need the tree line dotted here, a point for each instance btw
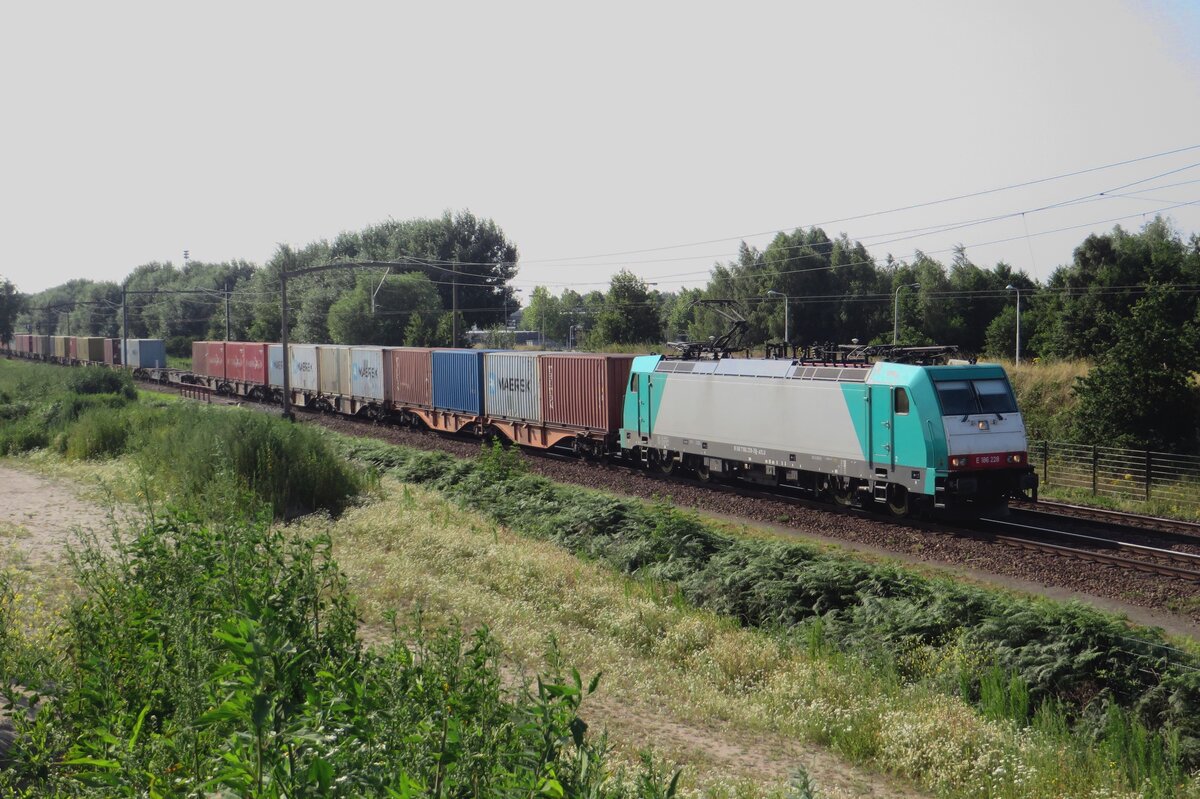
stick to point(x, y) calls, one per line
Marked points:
point(1128, 300)
point(407, 304)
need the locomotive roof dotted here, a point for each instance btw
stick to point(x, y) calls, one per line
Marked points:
point(879, 372)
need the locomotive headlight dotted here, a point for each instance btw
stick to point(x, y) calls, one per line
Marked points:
point(958, 460)
point(1017, 457)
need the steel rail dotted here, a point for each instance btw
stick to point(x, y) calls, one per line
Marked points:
point(1141, 549)
point(1101, 557)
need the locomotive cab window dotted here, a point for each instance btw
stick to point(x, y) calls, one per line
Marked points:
point(956, 397)
point(995, 396)
point(965, 397)
point(633, 383)
point(900, 401)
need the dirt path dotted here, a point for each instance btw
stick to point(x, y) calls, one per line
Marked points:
point(38, 519)
point(759, 758)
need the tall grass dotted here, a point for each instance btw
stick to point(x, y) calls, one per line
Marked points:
point(222, 658)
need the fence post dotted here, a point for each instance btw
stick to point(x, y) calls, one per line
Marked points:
point(1046, 462)
point(1095, 467)
point(1149, 472)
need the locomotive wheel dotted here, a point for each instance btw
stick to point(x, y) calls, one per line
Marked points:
point(703, 473)
point(898, 500)
point(841, 492)
point(661, 461)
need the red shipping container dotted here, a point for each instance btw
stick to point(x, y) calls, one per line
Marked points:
point(73, 348)
point(214, 359)
point(246, 361)
point(410, 382)
point(584, 391)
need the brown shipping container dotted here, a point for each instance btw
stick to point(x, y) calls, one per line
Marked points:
point(73, 348)
point(112, 351)
point(412, 370)
point(585, 392)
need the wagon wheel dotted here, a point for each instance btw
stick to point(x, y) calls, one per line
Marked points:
point(703, 473)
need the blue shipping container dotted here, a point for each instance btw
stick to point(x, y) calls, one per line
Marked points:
point(145, 353)
point(458, 380)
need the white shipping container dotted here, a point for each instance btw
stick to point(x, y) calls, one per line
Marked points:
point(302, 365)
point(275, 365)
point(369, 372)
point(512, 386)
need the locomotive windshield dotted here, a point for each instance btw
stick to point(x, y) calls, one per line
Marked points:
point(964, 397)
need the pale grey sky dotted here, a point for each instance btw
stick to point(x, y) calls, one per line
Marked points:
point(132, 131)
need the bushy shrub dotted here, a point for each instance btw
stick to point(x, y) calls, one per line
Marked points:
point(99, 433)
point(201, 451)
point(22, 436)
point(101, 380)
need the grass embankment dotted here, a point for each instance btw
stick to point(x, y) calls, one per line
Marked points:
point(210, 652)
point(1067, 700)
point(1046, 398)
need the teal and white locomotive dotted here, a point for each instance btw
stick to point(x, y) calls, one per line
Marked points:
point(912, 437)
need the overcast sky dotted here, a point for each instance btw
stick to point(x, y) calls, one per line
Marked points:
point(133, 131)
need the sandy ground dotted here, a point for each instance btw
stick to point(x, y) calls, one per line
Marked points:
point(38, 518)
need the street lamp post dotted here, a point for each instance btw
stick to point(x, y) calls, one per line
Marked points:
point(896, 310)
point(1011, 287)
point(787, 328)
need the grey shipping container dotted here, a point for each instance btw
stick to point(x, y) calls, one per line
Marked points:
point(145, 353)
point(370, 372)
point(512, 386)
point(458, 380)
point(275, 365)
point(302, 366)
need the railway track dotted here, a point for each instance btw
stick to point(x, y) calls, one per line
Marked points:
point(1123, 519)
point(1095, 548)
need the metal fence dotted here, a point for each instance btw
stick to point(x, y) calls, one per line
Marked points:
point(1120, 473)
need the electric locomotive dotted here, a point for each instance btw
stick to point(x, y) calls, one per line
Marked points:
point(906, 436)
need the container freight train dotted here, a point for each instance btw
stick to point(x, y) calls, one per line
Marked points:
point(144, 355)
point(947, 437)
point(907, 438)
